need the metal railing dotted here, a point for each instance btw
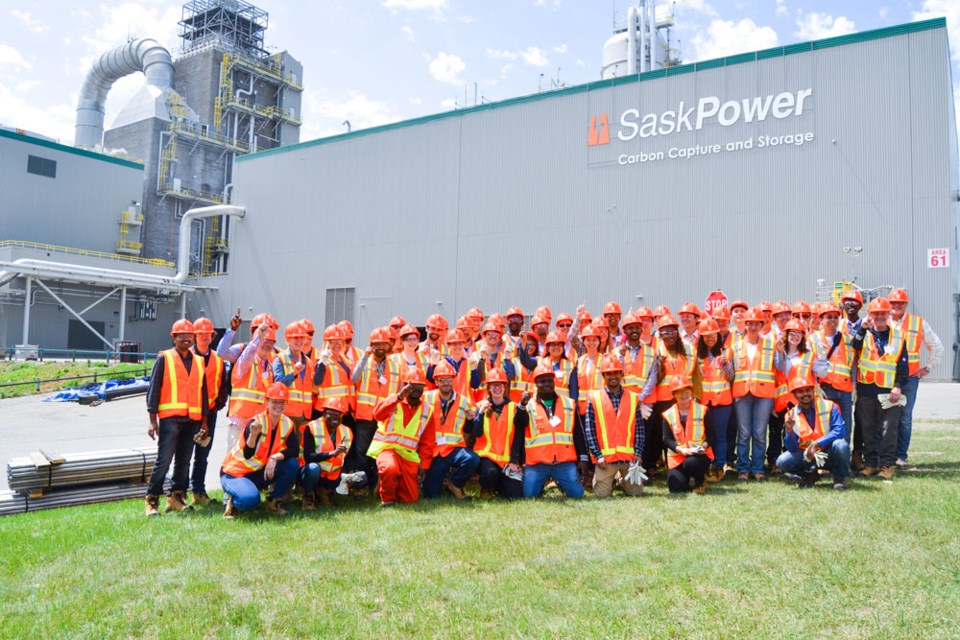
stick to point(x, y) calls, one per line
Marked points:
point(156, 262)
point(96, 376)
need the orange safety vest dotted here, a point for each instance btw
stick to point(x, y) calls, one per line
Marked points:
point(690, 433)
point(317, 429)
point(782, 398)
point(268, 443)
point(214, 373)
point(880, 368)
point(716, 387)
point(550, 440)
point(588, 379)
point(521, 382)
point(461, 382)
point(248, 394)
point(373, 387)
point(756, 376)
point(181, 393)
point(636, 371)
point(839, 376)
point(300, 404)
point(497, 438)
point(336, 383)
point(615, 429)
point(911, 327)
point(393, 434)
point(673, 365)
point(562, 370)
point(808, 433)
point(420, 362)
point(449, 432)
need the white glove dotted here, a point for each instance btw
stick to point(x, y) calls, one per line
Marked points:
point(636, 474)
point(347, 479)
point(646, 410)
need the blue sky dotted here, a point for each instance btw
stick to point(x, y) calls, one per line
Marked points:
point(378, 61)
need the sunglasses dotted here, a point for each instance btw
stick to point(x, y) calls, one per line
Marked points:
point(565, 325)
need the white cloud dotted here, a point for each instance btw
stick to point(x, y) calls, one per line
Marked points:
point(581, 63)
point(329, 113)
point(416, 5)
point(448, 103)
point(408, 32)
point(502, 54)
point(18, 110)
point(882, 12)
point(447, 67)
point(782, 8)
point(415, 100)
point(534, 57)
point(560, 48)
point(33, 24)
point(726, 37)
point(10, 58)
point(814, 26)
point(505, 70)
point(949, 9)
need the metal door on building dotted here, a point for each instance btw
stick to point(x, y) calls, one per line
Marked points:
point(79, 337)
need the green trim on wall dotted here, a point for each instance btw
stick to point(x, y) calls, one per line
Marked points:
point(40, 142)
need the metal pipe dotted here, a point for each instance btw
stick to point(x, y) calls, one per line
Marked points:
point(642, 37)
point(144, 54)
point(183, 255)
point(75, 314)
point(652, 27)
point(631, 40)
point(183, 304)
point(123, 312)
point(26, 312)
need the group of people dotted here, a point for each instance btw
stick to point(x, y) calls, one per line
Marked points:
point(805, 391)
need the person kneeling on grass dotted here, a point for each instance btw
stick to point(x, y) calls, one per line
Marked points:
point(814, 427)
point(494, 425)
point(687, 435)
point(325, 441)
point(266, 454)
point(554, 439)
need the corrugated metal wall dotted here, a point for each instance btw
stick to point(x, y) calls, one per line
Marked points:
point(508, 205)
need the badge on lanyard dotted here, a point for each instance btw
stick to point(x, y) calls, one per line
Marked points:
point(382, 380)
point(554, 422)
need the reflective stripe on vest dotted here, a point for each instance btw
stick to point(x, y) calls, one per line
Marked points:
point(615, 429)
point(561, 371)
point(755, 376)
point(716, 387)
point(447, 432)
point(839, 375)
point(880, 368)
point(300, 404)
point(213, 371)
point(235, 465)
point(248, 395)
point(783, 397)
point(546, 444)
point(335, 384)
point(821, 425)
point(690, 433)
point(636, 371)
point(672, 366)
point(589, 379)
point(369, 391)
point(911, 327)
point(181, 393)
point(317, 429)
point(404, 438)
point(497, 438)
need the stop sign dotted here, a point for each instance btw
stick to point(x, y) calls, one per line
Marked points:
point(716, 300)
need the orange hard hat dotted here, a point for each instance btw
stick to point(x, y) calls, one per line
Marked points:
point(879, 305)
point(182, 326)
point(475, 314)
point(720, 313)
point(397, 321)
point(612, 308)
point(490, 326)
point(554, 338)
point(308, 326)
point(680, 382)
point(589, 331)
point(203, 325)
point(270, 334)
point(530, 335)
point(689, 307)
point(800, 307)
point(495, 375)
point(392, 333)
point(586, 318)
point(564, 317)
point(336, 403)
point(414, 376)
point(379, 335)
point(754, 315)
point(454, 337)
point(543, 369)
point(898, 295)
point(643, 312)
point(408, 330)
point(514, 311)
point(463, 323)
point(263, 318)
point(708, 327)
point(294, 330)
point(667, 321)
point(333, 332)
point(795, 325)
point(662, 310)
point(535, 320)
point(629, 319)
point(740, 303)
point(544, 312)
point(826, 308)
point(347, 328)
point(437, 321)
point(278, 391)
point(444, 370)
point(799, 382)
point(600, 325)
point(853, 295)
point(610, 363)
point(780, 306)
point(497, 319)
point(764, 307)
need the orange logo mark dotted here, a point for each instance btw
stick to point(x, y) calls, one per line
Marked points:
point(599, 135)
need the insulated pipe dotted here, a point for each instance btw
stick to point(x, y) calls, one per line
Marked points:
point(144, 54)
point(652, 27)
point(631, 40)
point(642, 38)
point(183, 255)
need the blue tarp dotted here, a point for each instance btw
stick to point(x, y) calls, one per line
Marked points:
point(99, 390)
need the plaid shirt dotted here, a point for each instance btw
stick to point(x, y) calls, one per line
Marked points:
point(590, 425)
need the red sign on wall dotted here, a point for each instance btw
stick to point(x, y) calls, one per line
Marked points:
point(716, 300)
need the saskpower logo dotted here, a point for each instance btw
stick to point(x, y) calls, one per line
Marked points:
point(599, 131)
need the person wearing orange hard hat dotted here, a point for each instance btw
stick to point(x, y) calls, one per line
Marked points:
point(721, 315)
point(688, 435)
point(453, 415)
point(294, 368)
point(638, 357)
point(781, 316)
point(405, 441)
point(231, 352)
point(265, 456)
point(218, 392)
point(754, 387)
point(326, 441)
point(814, 425)
point(333, 373)
point(177, 405)
point(611, 316)
point(836, 378)
point(738, 309)
point(436, 326)
point(408, 357)
point(491, 353)
point(588, 366)
point(882, 373)
point(396, 323)
point(816, 311)
point(802, 312)
point(351, 353)
point(540, 327)
point(689, 316)
point(555, 356)
point(475, 317)
point(250, 376)
point(917, 333)
point(455, 347)
point(851, 302)
point(514, 329)
point(793, 358)
point(613, 430)
point(766, 310)
point(715, 362)
point(497, 421)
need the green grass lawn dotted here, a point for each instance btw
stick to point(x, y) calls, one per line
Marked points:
point(881, 560)
point(29, 372)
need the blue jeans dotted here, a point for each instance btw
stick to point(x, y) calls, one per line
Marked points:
point(311, 478)
point(565, 473)
point(844, 400)
point(463, 461)
point(245, 490)
point(198, 476)
point(753, 413)
point(174, 444)
point(721, 417)
point(905, 429)
point(838, 460)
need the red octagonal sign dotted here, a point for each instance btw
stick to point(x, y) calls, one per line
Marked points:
point(716, 300)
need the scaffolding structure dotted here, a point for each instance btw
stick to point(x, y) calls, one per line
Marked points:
point(232, 24)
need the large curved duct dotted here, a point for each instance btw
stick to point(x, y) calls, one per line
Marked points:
point(144, 54)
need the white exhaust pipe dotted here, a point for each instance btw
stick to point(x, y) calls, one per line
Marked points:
point(631, 40)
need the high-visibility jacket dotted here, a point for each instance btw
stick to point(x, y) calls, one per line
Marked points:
point(588, 379)
point(636, 371)
point(782, 397)
point(716, 388)
point(839, 376)
point(673, 365)
point(373, 387)
point(352, 355)
point(336, 383)
point(214, 375)
point(420, 362)
point(393, 434)
point(615, 429)
point(521, 382)
point(550, 440)
point(755, 376)
point(300, 404)
point(248, 393)
point(497, 438)
point(563, 371)
point(880, 368)
point(317, 429)
point(181, 393)
point(449, 431)
point(691, 432)
point(911, 327)
point(811, 433)
point(270, 441)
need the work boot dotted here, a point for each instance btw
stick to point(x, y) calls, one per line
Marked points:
point(902, 464)
point(759, 477)
point(792, 478)
point(809, 479)
point(230, 512)
point(775, 470)
point(485, 495)
point(728, 468)
point(151, 502)
point(887, 473)
point(201, 498)
point(714, 474)
point(700, 489)
point(275, 506)
point(324, 496)
point(457, 492)
point(840, 484)
point(309, 501)
point(856, 461)
point(177, 501)
point(866, 472)
point(743, 477)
